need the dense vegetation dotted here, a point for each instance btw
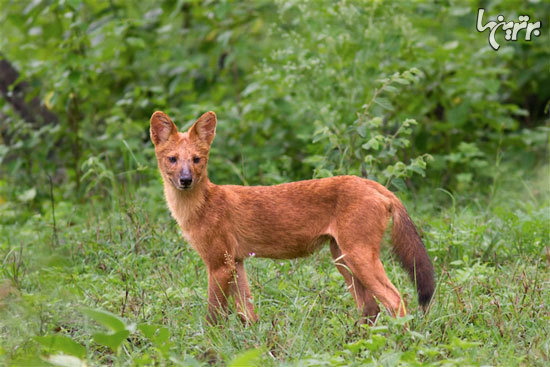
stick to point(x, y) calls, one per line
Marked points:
point(93, 269)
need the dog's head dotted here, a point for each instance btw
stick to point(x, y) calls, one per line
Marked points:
point(182, 157)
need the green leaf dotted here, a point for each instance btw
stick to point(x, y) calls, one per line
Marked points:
point(464, 177)
point(409, 122)
point(451, 45)
point(158, 334)
point(391, 89)
point(375, 122)
point(321, 134)
point(74, 3)
point(75, 77)
point(375, 342)
point(384, 103)
point(399, 184)
point(470, 149)
point(369, 159)
point(62, 360)
point(314, 159)
point(379, 329)
point(462, 344)
point(356, 346)
point(320, 173)
point(409, 76)
point(148, 330)
point(402, 81)
point(112, 341)
point(416, 71)
point(371, 144)
point(409, 357)
point(414, 167)
point(361, 130)
point(136, 42)
point(163, 335)
point(106, 318)
point(27, 195)
point(251, 88)
point(61, 343)
point(248, 358)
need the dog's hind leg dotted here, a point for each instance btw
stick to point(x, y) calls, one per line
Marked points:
point(363, 298)
point(364, 262)
point(359, 235)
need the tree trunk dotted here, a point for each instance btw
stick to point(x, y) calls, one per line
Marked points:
point(15, 92)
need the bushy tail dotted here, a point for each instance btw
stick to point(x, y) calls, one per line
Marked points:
point(411, 252)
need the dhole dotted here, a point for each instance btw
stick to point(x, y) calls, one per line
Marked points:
point(225, 224)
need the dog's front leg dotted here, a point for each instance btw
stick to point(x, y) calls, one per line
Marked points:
point(219, 288)
point(243, 296)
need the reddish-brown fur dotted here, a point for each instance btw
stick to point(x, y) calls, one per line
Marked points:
point(225, 224)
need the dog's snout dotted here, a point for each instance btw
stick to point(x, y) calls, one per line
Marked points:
point(186, 181)
point(186, 178)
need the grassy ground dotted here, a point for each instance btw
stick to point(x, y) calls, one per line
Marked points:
point(492, 304)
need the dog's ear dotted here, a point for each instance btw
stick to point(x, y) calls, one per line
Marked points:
point(204, 128)
point(161, 127)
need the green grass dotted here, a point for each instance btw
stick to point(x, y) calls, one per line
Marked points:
point(491, 305)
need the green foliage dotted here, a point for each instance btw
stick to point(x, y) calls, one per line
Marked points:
point(107, 319)
point(247, 358)
point(158, 335)
point(61, 343)
point(100, 83)
point(325, 67)
point(108, 263)
point(119, 330)
point(60, 349)
point(345, 150)
point(276, 73)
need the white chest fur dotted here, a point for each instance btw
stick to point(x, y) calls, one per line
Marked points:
point(183, 207)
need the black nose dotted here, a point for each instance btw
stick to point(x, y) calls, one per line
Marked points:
point(185, 181)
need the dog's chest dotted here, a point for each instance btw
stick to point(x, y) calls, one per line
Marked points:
point(186, 236)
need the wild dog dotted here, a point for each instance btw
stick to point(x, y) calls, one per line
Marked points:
point(225, 224)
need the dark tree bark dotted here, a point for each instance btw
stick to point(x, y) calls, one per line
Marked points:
point(3, 135)
point(186, 10)
point(15, 93)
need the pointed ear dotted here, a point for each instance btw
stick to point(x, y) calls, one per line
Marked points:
point(204, 128)
point(161, 127)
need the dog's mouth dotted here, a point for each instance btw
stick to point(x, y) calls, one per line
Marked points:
point(181, 187)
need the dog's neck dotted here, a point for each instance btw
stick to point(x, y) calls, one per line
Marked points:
point(186, 204)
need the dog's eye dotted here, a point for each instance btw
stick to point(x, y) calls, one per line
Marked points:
point(172, 159)
point(196, 159)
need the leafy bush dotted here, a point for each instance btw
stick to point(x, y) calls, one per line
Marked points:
point(364, 148)
point(327, 61)
point(276, 73)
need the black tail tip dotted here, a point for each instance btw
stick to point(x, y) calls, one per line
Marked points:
point(425, 297)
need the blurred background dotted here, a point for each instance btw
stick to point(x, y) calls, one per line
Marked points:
point(406, 93)
point(292, 83)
